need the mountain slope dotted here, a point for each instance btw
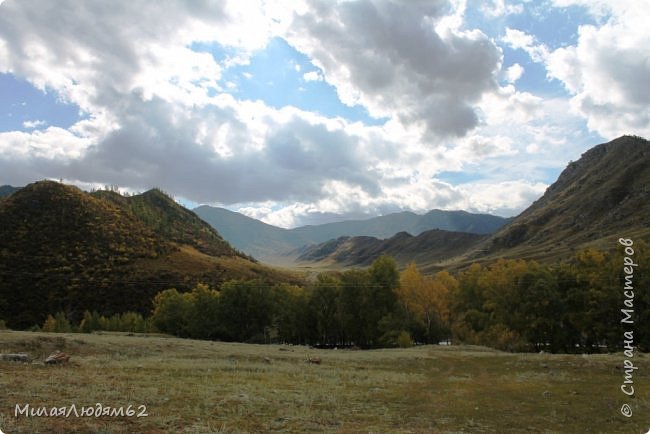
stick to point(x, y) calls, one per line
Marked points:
point(597, 199)
point(252, 236)
point(66, 250)
point(7, 190)
point(266, 242)
point(175, 223)
point(430, 246)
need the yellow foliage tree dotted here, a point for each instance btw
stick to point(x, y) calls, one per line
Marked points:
point(446, 286)
point(426, 298)
point(49, 325)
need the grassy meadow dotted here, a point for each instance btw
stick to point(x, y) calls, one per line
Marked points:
point(203, 387)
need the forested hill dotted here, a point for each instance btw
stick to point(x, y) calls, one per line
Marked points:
point(67, 250)
point(172, 222)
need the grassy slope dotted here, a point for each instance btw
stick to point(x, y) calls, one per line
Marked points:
point(199, 386)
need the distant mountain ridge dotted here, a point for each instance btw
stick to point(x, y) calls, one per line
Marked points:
point(427, 247)
point(8, 190)
point(265, 241)
point(601, 197)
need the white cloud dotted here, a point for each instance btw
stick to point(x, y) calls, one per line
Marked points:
point(504, 198)
point(522, 40)
point(156, 115)
point(312, 76)
point(51, 143)
point(388, 57)
point(498, 8)
point(607, 70)
point(34, 124)
point(517, 39)
point(514, 72)
point(508, 106)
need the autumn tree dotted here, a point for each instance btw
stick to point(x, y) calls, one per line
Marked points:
point(427, 300)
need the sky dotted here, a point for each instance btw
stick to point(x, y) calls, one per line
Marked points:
point(301, 112)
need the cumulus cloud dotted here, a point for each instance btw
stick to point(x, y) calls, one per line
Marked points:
point(312, 76)
point(607, 70)
point(506, 198)
point(514, 72)
point(34, 124)
point(133, 70)
point(521, 40)
point(388, 57)
point(158, 113)
point(498, 8)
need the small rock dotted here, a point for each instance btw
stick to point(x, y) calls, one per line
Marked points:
point(56, 358)
point(16, 357)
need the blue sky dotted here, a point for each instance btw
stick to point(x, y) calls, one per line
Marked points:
point(22, 103)
point(275, 75)
point(294, 111)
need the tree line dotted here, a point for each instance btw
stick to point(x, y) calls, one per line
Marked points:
point(513, 305)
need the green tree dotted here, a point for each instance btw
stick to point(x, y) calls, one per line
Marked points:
point(58, 323)
point(131, 322)
point(350, 304)
point(378, 299)
point(171, 312)
point(203, 312)
point(293, 320)
point(62, 324)
point(246, 311)
point(323, 302)
point(90, 322)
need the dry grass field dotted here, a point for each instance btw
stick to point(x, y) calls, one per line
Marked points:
point(211, 387)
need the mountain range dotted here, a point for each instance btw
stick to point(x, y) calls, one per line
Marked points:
point(601, 197)
point(273, 244)
point(434, 246)
point(68, 250)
